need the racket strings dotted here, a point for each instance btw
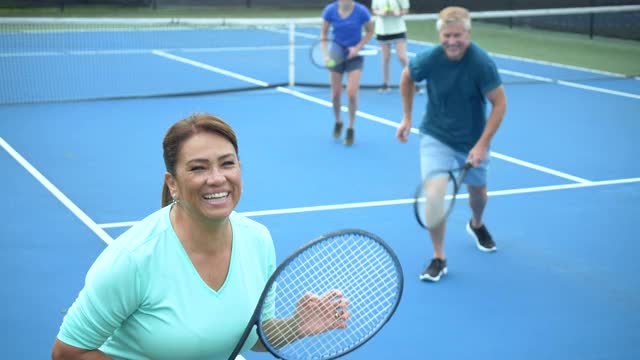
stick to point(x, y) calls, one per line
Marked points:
point(360, 268)
point(327, 54)
point(364, 278)
point(330, 259)
point(358, 333)
point(436, 191)
point(435, 198)
point(296, 278)
point(336, 266)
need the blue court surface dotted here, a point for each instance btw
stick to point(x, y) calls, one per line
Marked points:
point(564, 181)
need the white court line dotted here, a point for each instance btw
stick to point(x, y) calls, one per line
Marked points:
point(210, 68)
point(57, 193)
point(539, 168)
point(149, 51)
point(368, 204)
point(598, 89)
point(569, 83)
point(358, 113)
point(296, 33)
point(241, 48)
point(539, 62)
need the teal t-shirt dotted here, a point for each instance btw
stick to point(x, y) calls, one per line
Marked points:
point(456, 109)
point(143, 298)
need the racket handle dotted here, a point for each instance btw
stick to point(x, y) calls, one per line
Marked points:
point(243, 338)
point(463, 173)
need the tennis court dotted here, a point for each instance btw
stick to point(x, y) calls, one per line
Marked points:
point(80, 166)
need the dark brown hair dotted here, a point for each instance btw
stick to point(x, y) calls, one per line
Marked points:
point(182, 131)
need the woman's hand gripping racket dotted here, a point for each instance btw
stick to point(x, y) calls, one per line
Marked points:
point(328, 54)
point(436, 195)
point(328, 298)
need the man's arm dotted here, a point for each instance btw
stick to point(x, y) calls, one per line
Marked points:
point(407, 90)
point(498, 101)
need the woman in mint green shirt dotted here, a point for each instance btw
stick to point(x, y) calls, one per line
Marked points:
point(183, 282)
point(390, 28)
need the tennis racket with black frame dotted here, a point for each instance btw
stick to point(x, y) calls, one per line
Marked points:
point(436, 195)
point(327, 54)
point(328, 298)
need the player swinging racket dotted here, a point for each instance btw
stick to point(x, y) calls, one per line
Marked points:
point(347, 19)
point(461, 77)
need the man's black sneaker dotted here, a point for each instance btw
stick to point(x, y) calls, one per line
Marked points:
point(483, 239)
point(435, 270)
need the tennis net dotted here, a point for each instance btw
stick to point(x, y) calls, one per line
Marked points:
point(78, 59)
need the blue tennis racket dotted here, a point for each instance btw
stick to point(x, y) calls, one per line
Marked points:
point(328, 298)
point(328, 54)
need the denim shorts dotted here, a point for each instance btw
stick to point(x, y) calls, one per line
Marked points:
point(437, 156)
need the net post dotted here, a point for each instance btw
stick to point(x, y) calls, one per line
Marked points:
point(292, 53)
point(591, 18)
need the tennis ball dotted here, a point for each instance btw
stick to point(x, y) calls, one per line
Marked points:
point(331, 63)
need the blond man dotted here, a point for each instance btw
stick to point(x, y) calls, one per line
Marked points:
point(461, 79)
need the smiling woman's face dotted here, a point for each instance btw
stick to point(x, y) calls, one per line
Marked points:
point(207, 181)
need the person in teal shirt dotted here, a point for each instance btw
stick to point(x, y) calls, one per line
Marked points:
point(184, 282)
point(460, 77)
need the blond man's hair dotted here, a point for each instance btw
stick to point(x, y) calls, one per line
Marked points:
point(452, 15)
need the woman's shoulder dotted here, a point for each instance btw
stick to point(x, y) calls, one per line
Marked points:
point(246, 225)
point(146, 231)
point(362, 8)
point(252, 233)
point(330, 10)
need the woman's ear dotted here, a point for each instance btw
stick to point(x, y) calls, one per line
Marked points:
point(170, 180)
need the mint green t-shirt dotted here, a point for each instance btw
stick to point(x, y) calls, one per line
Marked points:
point(390, 25)
point(143, 298)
